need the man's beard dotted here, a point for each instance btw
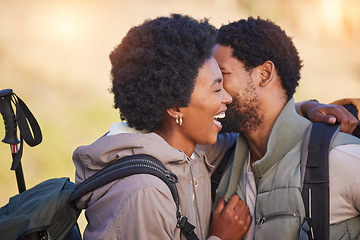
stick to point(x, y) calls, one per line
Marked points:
point(242, 117)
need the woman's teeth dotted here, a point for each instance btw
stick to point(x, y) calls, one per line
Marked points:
point(220, 115)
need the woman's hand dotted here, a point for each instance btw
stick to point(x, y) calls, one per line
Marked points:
point(230, 221)
point(327, 113)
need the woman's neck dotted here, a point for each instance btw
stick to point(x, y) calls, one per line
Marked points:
point(176, 140)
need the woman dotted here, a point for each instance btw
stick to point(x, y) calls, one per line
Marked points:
point(166, 84)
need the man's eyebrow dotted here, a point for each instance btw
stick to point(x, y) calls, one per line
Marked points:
point(224, 69)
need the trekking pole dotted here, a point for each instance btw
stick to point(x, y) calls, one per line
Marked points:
point(10, 133)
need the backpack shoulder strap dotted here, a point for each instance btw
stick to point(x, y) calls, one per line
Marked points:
point(129, 165)
point(136, 164)
point(354, 111)
point(315, 190)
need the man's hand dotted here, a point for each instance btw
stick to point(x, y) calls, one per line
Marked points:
point(230, 221)
point(327, 113)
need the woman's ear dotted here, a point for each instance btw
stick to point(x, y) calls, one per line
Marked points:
point(267, 73)
point(173, 112)
point(176, 114)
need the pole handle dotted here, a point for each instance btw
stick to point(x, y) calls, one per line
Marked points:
point(9, 117)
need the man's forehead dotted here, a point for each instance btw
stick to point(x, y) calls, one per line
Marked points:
point(224, 57)
point(223, 49)
point(222, 54)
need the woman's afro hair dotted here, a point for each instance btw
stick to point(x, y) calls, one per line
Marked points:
point(155, 66)
point(255, 41)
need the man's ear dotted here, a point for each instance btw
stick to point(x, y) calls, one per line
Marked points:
point(267, 73)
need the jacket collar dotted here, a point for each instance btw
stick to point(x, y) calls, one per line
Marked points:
point(288, 130)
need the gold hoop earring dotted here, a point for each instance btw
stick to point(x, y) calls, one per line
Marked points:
point(179, 121)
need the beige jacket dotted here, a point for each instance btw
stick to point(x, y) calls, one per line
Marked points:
point(141, 206)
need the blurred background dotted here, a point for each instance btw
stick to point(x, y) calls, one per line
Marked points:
point(54, 55)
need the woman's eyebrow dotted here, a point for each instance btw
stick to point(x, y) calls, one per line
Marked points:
point(216, 81)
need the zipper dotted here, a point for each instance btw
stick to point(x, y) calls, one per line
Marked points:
point(194, 192)
point(260, 221)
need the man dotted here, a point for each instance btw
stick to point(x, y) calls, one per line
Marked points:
point(261, 69)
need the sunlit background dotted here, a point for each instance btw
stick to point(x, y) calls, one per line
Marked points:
point(54, 55)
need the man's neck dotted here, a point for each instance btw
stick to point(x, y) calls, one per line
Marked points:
point(258, 139)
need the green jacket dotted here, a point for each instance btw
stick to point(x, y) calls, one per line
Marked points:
point(279, 209)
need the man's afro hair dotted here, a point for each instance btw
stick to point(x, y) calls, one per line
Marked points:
point(255, 41)
point(155, 66)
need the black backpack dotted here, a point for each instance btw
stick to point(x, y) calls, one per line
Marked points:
point(48, 210)
point(315, 191)
point(41, 212)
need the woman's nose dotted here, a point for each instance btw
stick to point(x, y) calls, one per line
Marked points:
point(227, 98)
